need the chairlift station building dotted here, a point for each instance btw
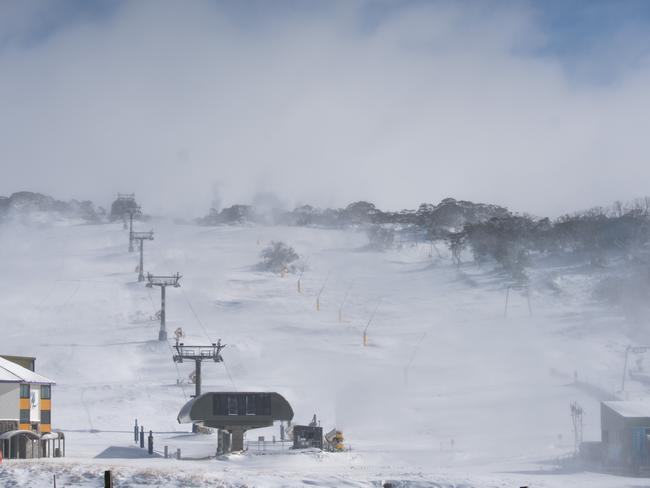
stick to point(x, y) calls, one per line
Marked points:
point(233, 413)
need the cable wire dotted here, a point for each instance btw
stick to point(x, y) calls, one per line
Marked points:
point(178, 371)
point(198, 319)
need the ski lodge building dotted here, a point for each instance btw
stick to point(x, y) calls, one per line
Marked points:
point(625, 427)
point(26, 411)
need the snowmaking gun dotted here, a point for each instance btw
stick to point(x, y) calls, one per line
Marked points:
point(334, 441)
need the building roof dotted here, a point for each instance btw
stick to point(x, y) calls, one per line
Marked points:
point(204, 409)
point(12, 433)
point(630, 409)
point(24, 361)
point(13, 373)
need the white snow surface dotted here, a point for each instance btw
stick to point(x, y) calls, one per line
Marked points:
point(448, 392)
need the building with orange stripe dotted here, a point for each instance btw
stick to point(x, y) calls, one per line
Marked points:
point(25, 408)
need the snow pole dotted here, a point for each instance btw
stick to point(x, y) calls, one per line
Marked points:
point(411, 359)
point(345, 299)
point(320, 292)
point(365, 331)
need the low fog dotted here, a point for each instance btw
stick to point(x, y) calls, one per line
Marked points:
point(321, 103)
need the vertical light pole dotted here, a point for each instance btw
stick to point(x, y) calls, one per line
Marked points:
point(141, 236)
point(163, 282)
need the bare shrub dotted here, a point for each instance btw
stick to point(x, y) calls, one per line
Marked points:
point(278, 257)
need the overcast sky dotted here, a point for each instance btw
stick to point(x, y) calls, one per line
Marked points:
point(539, 106)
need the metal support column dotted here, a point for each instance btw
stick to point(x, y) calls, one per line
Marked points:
point(131, 232)
point(198, 354)
point(162, 334)
point(163, 282)
point(141, 268)
point(197, 386)
point(141, 236)
point(237, 439)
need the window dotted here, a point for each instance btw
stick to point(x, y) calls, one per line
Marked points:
point(232, 405)
point(7, 425)
point(46, 392)
point(264, 404)
point(241, 405)
point(46, 417)
point(24, 416)
point(219, 405)
point(250, 405)
point(24, 391)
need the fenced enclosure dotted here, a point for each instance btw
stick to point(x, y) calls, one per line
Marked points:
point(262, 445)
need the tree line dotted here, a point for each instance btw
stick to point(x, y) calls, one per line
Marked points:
point(598, 234)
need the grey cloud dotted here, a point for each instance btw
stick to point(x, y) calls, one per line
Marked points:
point(169, 99)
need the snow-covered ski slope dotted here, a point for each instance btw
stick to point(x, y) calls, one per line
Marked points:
point(447, 391)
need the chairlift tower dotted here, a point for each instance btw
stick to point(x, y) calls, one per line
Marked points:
point(133, 209)
point(198, 354)
point(141, 236)
point(132, 212)
point(631, 349)
point(163, 282)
